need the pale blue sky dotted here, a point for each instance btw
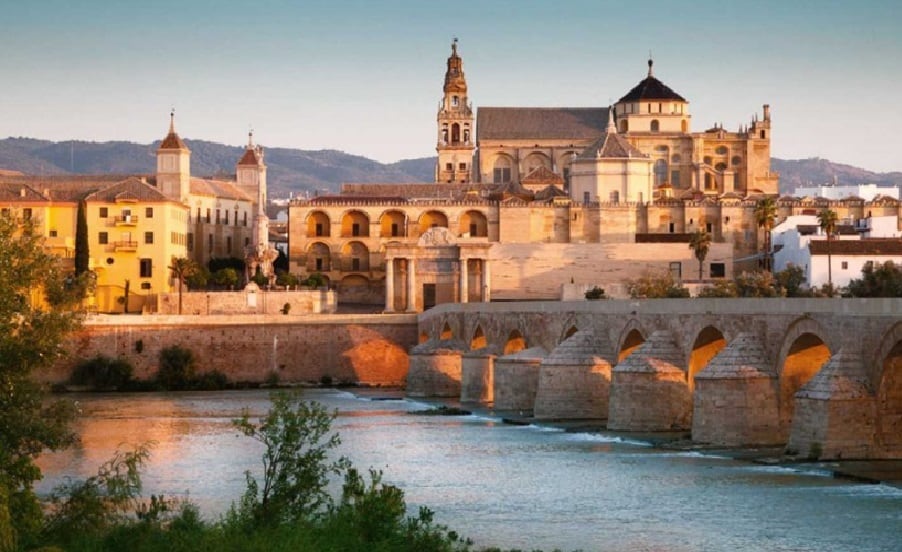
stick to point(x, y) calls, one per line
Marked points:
point(365, 76)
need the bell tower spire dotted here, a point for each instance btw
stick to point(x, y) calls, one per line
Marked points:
point(174, 164)
point(455, 126)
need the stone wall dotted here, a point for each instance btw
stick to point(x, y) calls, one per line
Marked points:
point(300, 301)
point(367, 349)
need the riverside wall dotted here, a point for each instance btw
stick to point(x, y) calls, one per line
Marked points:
point(360, 349)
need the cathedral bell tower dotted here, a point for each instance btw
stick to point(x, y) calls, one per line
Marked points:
point(455, 126)
point(174, 165)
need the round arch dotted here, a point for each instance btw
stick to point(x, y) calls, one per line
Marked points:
point(392, 224)
point(804, 352)
point(355, 257)
point(319, 257)
point(355, 223)
point(318, 224)
point(708, 342)
point(534, 161)
point(446, 332)
point(431, 219)
point(502, 167)
point(515, 342)
point(478, 340)
point(475, 224)
point(887, 380)
point(630, 339)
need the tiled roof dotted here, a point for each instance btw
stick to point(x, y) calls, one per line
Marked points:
point(841, 229)
point(217, 188)
point(540, 123)
point(651, 88)
point(172, 141)
point(611, 146)
point(10, 192)
point(62, 187)
point(868, 246)
point(132, 188)
point(542, 175)
point(251, 157)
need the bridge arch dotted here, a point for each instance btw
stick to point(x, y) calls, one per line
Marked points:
point(889, 393)
point(805, 350)
point(708, 342)
point(446, 332)
point(515, 342)
point(478, 341)
point(631, 337)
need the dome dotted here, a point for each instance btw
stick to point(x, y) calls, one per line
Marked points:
point(651, 88)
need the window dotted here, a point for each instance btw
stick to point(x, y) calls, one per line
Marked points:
point(474, 229)
point(355, 229)
point(190, 242)
point(762, 135)
point(655, 125)
point(845, 265)
point(455, 101)
point(709, 227)
point(146, 268)
point(614, 196)
point(736, 160)
point(660, 172)
point(675, 179)
point(355, 264)
point(675, 158)
point(210, 242)
point(586, 197)
point(671, 227)
point(245, 218)
point(462, 166)
point(226, 216)
point(319, 229)
point(145, 285)
point(319, 264)
point(26, 213)
point(148, 237)
point(103, 238)
point(53, 233)
point(717, 270)
point(104, 212)
point(449, 167)
point(208, 215)
point(721, 150)
point(624, 126)
point(228, 243)
point(501, 172)
point(676, 270)
point(148, 212)
point(218, 216)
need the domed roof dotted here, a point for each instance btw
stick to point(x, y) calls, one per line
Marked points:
point(651, 88)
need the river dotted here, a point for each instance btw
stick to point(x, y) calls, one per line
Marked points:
point(503, 485)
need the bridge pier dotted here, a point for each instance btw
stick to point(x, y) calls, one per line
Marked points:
point(834, 414)
point(649, 391)
point(435, 369)
point(517, 379)
point(735, 399)
point(477, 375)
point(575, 379)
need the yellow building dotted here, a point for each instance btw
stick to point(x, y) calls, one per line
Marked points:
point(138, 224)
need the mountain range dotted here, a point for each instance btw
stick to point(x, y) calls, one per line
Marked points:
point(300, 172)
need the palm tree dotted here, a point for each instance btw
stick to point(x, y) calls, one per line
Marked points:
point(765, 217)
point(181, 268)
point(828, 219)
point(700, 243)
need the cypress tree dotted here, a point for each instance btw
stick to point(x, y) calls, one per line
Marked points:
point(81, 240)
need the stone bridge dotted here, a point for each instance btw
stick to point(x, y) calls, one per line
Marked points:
point(821, 376)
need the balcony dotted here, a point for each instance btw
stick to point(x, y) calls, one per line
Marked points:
point(125, 246)
point(126, 220)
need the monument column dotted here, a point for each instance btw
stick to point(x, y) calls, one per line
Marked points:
point(464, 292)
point(411, 286)
point(389, 285)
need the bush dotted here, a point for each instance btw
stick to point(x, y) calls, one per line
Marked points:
point(721, 288)
point(656, 286)
point(287, 279)
point(316, 280)
point(595, 293)
point(177, 368)
point(102, 372)
point(225, 277)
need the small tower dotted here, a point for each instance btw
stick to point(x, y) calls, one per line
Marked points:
point(174, 165)
point(251, 179)
point(455, 126)
point(652, 107)
point(251, 170)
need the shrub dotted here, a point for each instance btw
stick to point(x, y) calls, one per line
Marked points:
point(316, 280)
point(225, 277)
point(721, 288)
point(656, 286)
point(287, 279)
point(177, 368)
point(102, 372)
point(595, 293)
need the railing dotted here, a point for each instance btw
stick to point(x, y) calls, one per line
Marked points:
point(125, 245)
point(126, 220)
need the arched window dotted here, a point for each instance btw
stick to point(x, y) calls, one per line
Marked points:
point(655, 125)
point(455, 133)
point(660, 172)
point(501, 172)
point(721, 166)
point(684, 126)
point(675, 158)
point(624, 126)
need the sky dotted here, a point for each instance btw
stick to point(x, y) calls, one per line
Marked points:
point(365, 76)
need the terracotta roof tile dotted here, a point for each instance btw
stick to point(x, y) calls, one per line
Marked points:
point(612, 146)
point(867, 246)
point(540, 123)
point(129, 189)
point(172, 141)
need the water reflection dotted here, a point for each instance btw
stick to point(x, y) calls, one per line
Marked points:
point(511, 486)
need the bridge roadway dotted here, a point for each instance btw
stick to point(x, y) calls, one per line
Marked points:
point(822, 376)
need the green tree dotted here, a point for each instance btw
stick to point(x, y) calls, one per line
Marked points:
point(700, 244)
point(790, 280)
point(765, 217)
point(756, 284)
point(182, 268)
point(226, 277)
point(31, 337)
point(827, 219)
point(881, 280)
point(82, 253)
point(656, 286)
point(296, 461)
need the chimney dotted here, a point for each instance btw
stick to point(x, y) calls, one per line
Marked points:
point(767, 112)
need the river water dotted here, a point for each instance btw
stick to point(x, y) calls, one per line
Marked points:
point(503, 485)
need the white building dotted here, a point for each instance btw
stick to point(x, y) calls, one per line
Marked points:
point(866, 192)
point(799, 241)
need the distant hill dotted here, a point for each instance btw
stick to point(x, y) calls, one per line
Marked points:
point(322, 171)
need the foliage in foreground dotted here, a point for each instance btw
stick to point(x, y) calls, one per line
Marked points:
point(288, 509)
